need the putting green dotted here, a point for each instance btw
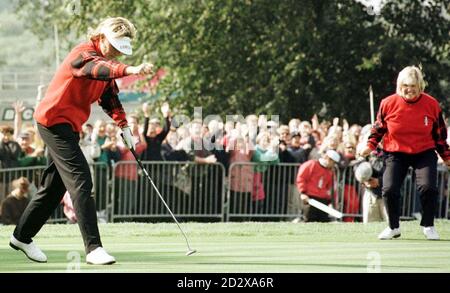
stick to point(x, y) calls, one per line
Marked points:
point(238, 247)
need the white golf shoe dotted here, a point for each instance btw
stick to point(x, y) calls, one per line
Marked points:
point(99, 256)
point(389, 233)
point(30, 250)
point(431, 233)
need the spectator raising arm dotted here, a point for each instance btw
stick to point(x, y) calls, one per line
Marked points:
point(18, 110)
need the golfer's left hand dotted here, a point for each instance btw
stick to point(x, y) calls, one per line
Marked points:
point(128, 138)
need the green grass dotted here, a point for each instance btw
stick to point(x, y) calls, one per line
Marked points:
point(239, 247)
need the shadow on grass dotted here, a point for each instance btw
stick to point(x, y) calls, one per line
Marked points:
point(59, 260)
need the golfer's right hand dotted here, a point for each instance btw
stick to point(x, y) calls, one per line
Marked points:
point(128, 138)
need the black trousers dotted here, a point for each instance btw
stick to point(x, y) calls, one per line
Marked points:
point(425, 167)
point(313, 214)
point(67, 170)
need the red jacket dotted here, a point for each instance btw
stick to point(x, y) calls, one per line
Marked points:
point(83, 78)
point(410, 126)
point(315, 180)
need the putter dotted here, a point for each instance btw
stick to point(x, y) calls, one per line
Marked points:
point(325, 208)
point(190, 250)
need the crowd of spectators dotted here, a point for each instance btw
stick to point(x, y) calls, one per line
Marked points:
point(162, 137)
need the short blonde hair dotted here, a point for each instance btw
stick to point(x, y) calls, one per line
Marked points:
point(408, 75)
point(119, 26)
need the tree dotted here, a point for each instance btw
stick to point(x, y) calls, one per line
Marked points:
point(286, 57)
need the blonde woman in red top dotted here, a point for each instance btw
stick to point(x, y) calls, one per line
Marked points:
point(411, 125)
point(87, 75)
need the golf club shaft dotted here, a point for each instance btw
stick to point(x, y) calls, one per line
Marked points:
point(159, 194)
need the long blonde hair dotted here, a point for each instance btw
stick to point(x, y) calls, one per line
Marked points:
point(119, 26)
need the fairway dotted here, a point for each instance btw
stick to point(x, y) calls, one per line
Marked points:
point(239, 247)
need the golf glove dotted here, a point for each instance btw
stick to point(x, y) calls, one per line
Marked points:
point(128, 138)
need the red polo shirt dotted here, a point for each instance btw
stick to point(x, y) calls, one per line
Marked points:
point(83, 78)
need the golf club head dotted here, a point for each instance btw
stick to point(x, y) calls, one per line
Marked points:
point(192, 251)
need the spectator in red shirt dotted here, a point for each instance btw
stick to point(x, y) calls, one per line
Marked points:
point(411, 125)
point(315, 180)
point(87, 75)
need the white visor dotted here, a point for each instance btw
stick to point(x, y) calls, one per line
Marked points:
point(123, 44)
point(332, 154)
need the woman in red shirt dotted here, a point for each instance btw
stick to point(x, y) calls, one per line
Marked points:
point(411, 125)
point(87, 75)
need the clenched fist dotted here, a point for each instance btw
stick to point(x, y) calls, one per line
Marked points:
point(143, 69)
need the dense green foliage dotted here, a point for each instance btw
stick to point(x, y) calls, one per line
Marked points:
point(290, 57)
